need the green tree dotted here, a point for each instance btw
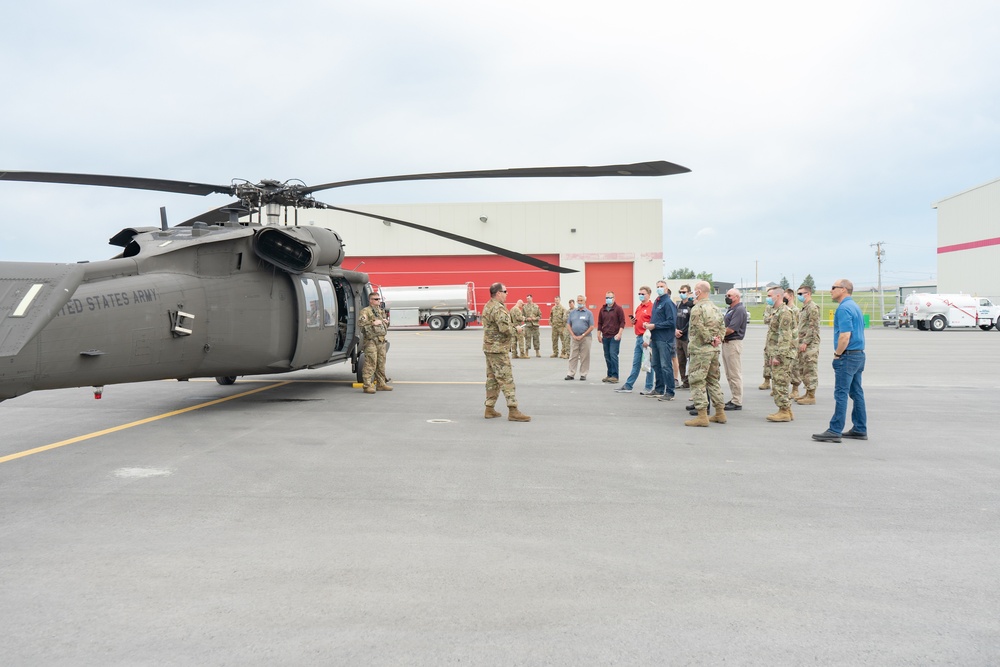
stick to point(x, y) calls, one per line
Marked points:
point(809, 282)
point(706, 276)
point(784, 283)
point(681, 274)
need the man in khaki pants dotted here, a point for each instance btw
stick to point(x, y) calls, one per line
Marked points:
point(732, 347)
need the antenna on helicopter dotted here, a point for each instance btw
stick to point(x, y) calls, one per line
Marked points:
point(163, 218)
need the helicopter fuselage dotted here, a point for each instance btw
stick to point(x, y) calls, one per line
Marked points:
point(184, 303)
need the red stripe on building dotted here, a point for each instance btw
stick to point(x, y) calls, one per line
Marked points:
point(969, 246)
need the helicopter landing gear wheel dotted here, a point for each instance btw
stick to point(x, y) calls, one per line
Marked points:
point(359, 365)
point(226, 380)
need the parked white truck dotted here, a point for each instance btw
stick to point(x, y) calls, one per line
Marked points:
point(438, 306)
point(939, 311)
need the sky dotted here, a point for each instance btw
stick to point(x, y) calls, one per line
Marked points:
point(813, 130)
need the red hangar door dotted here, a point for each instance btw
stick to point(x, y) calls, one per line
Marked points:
point(603, 277)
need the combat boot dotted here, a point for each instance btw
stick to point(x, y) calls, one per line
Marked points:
point(782, 415)
point(700, 420)
point(553, 356)
point(766, 384)
point(720, 414)
point(537, 353)
point(383, 387)
point(369, 389)
point(808, 399)
point(490, 412)
point(515, 415)
point(793, 393)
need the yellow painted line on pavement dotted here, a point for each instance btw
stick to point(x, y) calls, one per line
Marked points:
point(147, 420)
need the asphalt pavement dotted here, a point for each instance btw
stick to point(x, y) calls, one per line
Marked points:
point(292, 519)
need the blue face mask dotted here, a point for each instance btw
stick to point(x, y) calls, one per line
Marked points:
point(660, 291)
point(642, 297)
point(801, 298)
point(770, 301)
point(609, 300)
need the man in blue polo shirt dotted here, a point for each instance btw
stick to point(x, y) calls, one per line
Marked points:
point(848, 364)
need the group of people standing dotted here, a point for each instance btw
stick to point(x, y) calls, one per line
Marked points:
point(686, 345)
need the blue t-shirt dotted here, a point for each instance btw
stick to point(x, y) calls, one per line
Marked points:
point(848, 317)
point(580, 320)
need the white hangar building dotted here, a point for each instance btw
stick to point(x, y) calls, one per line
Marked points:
point(614, 245)
point(968, 252)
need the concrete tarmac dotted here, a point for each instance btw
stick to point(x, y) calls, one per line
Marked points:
point(293, 519)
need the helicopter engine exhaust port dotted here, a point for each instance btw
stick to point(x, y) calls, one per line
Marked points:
point(299, 249)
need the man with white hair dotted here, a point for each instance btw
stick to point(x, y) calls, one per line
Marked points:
point(732, 347)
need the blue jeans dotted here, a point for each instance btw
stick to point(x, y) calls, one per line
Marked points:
point(611, 347)
point(637, 366)
point(663, 365)
point(847, 384)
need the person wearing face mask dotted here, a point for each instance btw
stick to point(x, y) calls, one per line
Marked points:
point(639, 319)
point(807, 364)
point(610, 325)
point(684, 306)
point(732, 347)
point(707, 330)
point(580, 325)
point(782, 350)
point(662, 328)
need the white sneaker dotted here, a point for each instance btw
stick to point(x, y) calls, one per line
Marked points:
point(623, 390)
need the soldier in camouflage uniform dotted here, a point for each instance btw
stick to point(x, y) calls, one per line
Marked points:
point(498, 332)
point(706, 328)
point(766, 384)
point(517, 344)
point(374, 325)
point(807, 365)
point(532, 318)
point(566, 337)
point(557, 319)
point(782, 339)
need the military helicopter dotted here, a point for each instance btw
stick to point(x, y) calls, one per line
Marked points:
point(234, 291)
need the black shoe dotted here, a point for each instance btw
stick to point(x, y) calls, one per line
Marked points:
point(568, 377)
point(693, 412)
point(827, 436)
point(854, 435)
point(582, 378)
point(690, 407)
point(732, 406)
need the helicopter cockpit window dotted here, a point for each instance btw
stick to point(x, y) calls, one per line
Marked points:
point(314, 306)
point(326, 289)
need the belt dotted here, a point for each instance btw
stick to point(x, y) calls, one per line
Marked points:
point(852, 352)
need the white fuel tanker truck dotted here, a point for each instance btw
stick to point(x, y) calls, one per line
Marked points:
point(438, 306)
point(940, 311)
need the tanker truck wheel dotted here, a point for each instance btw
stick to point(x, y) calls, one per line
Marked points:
point(985, 327)
point(938, 323)
point(436, 323)
point(456, 322)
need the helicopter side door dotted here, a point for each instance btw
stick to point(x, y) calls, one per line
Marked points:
point(318, 318)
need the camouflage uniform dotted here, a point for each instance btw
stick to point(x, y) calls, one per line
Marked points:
point(706, 323)
point(532, 316)
point(768, 312)
point(498, 332)
point(557, 318)
point(806, 366)
point(373, 370)
point(517, 343)
point(782, 343)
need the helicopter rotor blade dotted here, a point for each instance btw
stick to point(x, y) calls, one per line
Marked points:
point(526, 259)
point(656, 168)
point(130, 182)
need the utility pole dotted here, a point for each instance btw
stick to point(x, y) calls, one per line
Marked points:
point(879, 257)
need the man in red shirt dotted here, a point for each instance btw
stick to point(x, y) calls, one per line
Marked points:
point(641, 316)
